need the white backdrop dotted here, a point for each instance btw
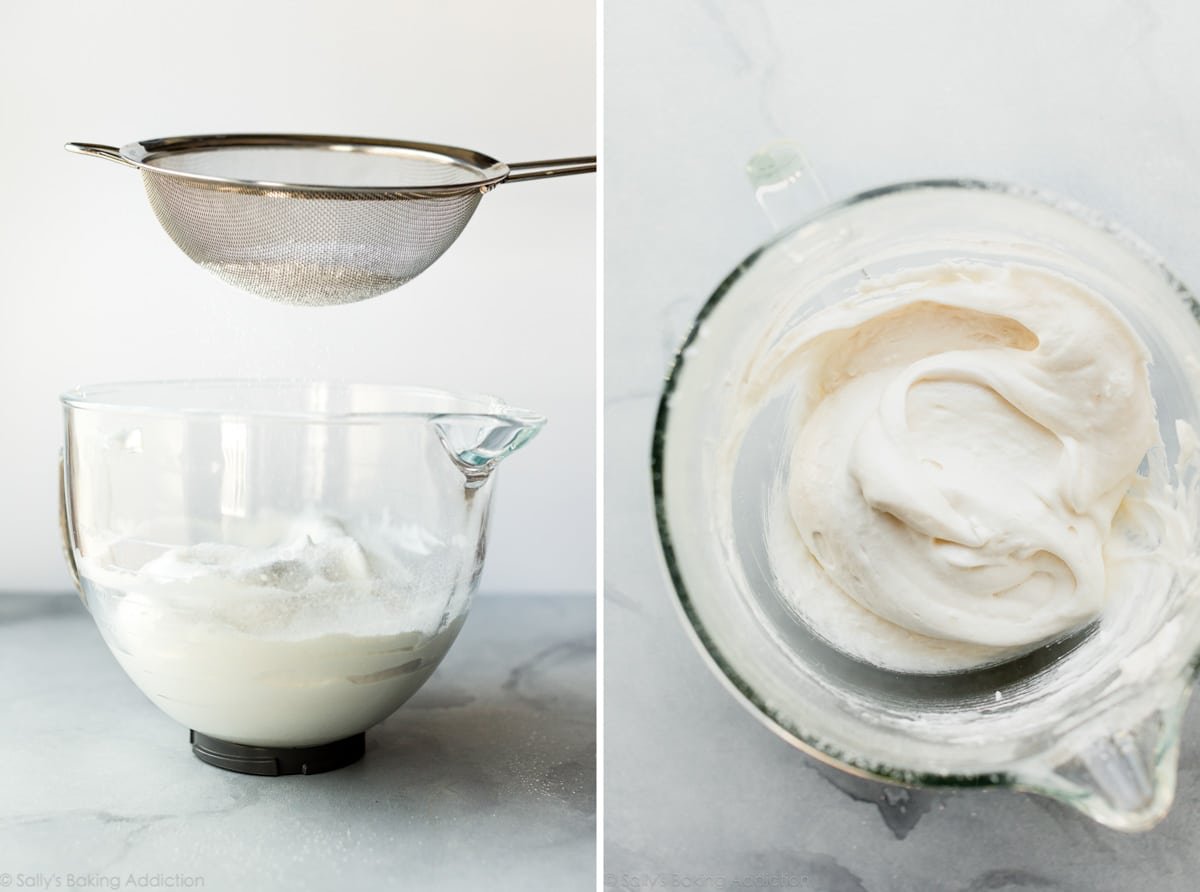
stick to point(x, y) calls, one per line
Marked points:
point(93, 290)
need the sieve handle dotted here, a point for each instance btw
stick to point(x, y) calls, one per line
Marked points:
point(558, 167)
point(96, 150)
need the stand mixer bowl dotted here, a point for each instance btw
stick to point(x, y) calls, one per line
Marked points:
point(280, 565)
point(1092, 720)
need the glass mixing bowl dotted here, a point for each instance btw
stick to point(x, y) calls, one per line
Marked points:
point(280, 565)
point(1093, 719)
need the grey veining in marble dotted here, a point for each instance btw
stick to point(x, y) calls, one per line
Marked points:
point(1094, 100)
point(485, 779)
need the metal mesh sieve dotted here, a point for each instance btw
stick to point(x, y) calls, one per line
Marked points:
point(316, 220)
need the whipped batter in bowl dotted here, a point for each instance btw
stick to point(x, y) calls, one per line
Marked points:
point(316, 631)
point(926, 489)
point(965, 436)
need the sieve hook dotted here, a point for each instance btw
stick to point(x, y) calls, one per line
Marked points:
point(96, 150)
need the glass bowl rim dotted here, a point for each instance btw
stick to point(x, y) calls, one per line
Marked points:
point(102, 398)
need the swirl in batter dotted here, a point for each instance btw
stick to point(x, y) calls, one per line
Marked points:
point(964, 438)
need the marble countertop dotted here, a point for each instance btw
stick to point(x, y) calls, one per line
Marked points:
point(1094, 100)
point(485, 779)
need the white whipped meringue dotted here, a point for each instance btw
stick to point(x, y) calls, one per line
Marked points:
point(309, 630)
point(964, 437)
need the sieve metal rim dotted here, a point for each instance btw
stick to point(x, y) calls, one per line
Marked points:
point(142, 154)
